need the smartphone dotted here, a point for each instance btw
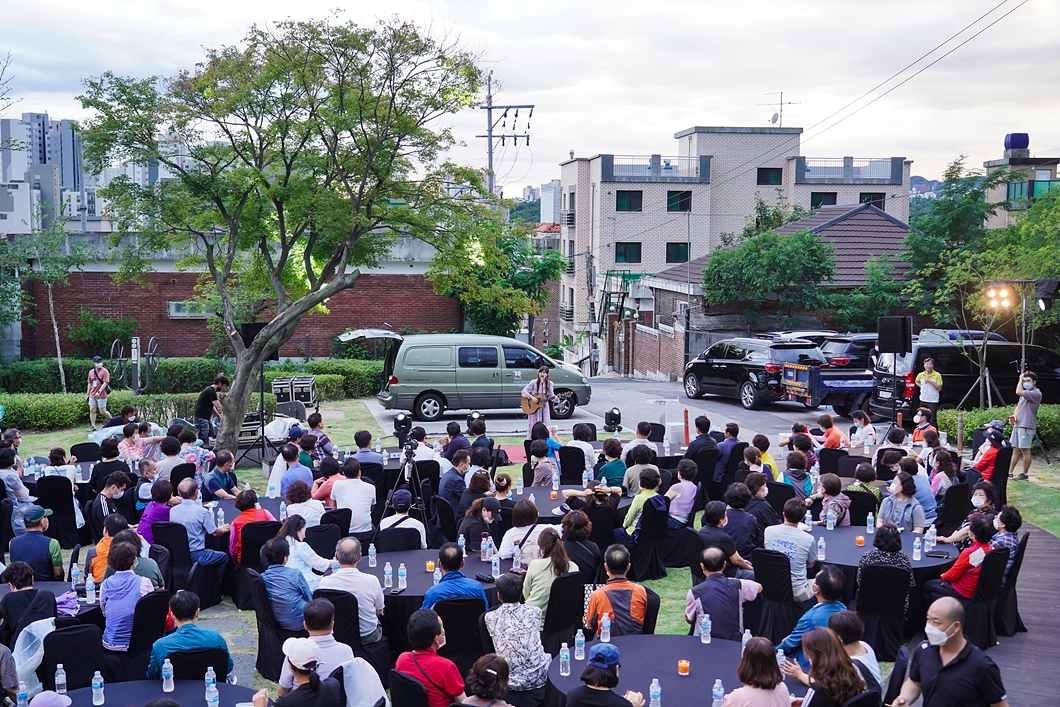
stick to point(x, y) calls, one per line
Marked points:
point(395, 590)
point(938, 553)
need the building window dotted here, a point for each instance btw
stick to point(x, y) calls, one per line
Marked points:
point(186, 310)
point(629, 200)
point(770, 175)
point(822, 198)
point(678, 201)
point(677, 252)
point(871, 197)
point(627, 252)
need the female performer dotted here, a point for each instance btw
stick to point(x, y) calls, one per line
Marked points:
point(540, 389)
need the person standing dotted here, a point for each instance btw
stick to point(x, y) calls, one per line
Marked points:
point(930, 383)
point(1025, 421)
point(207, 405)
point(541, 390)
point(97, 390)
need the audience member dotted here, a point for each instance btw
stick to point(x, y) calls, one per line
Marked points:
point(613, 470)
point(330, 472)
point(865, 434)
point(622, 600)
point(199, 521)
point(703, 441)
point(16, 491)
point(864, 475)
point(832, 499)
point(516, 632)
point(480, 463)
point(832, 678)
point(302, 557)
point(118, 595)
point(477, 429)
point(97, 564)
point(797, 544)
point(132, 443)
point(682, 495)
point(640, 439)
point(542, 572)
point(145, 566)
point(221, 482)
point(487, 682)
point(982, 502)
point(323, 449)
point(720, 597)
point(583, 552)
point(296, 471)
point(804, 443)
point(170, 448)
point(104, 504)
point(887, 552)
point(247, 505)
point(523, 533)
point(600, 676)
point(453, 582)
point(833, 436)
point(23, 603)
point(959, 581)
point(763, 683)
point(401, 502)
point(451, 486)
point(478, 486)
point(303, 660)
point(184, 606)
point(287, 588)
point(649, 483)
point(540, 431)
point(725, 447)
point(582, 435)
point(639, 458)
point(923, 493)
point(36, 549)
point(901, 507)
point(319, 621)
point(358, 495)
point(307, 443)
point(157, 511)
point(895, 439)
point(127, 415)
point(191, 452)
point(713, 535)
point(752, 461)
point(457, 442)
point(759, 507)
point(797, 475)
point(142, 490)
point(439, 676)
point(365, 587)
point(502, 490)
point(1007, 522)
point(922, 418)
point(761, 443)
point(364, 453)
point(828, 587)
point(300, 502)
point(542, 464)
point(740, 525)
point(108, 453)
point(848, 626)
point(480, 520)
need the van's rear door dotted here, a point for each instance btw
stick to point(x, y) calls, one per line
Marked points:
point(393, 338)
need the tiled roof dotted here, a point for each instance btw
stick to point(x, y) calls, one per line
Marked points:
point(547, 228)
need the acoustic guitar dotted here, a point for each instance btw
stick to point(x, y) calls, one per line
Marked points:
point(531, 406)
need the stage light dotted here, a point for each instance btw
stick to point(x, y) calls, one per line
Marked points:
point(613, 420)
point(402, 427)
point(475, 415)
point(1045, 293)
point(991, 294)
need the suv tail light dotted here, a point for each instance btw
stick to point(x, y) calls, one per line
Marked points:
point(910, 384)
point(839, 360)
point(825, 365)
point(774, 367)
point(392, 380)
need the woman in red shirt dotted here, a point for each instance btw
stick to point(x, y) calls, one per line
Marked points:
point(985, 465)
point(330, 472)
point(247, 504)
point(833, 437)
point(959, 580)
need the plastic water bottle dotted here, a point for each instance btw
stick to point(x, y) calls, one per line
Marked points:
point(519, 484)
point(866, 450)
point(564, 661)
point(437, 574)
point(780, 656)
point(373, 559)
point(616, 434)
point(666, 444)
point(246, 486)
point(97, 689)
point(870, 523)
point(579, 645)
point(916, 547)
point(388, 576)
point(555, 481)
point(745, 639)
point(820, 549)
point(656, 693)
point(461, 542)
point(517, 557)
point(931, 537)
point(23, 693)
point(403, 576)
point(220, 517)
point(347, 455)
point(532, 499)
point(586, 478)
point(719, 693)
point(211, 681)
point(335, 565)
point(75, 576)
point(90, 589)
point(605, 628)
point(830, 522)
point(167, 676)
point(438, 446)
point(484, 547)
point(213, 697)
point(704, 628)
point(283, 511)
point(60, 679)
point(495, 564)
point(378, 446)
point(809, 518)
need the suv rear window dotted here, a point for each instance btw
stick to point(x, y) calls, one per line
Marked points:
point(797, 354)
point(834, 346)
point(886, 360)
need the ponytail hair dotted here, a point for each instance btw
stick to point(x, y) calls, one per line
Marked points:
point(552, 547)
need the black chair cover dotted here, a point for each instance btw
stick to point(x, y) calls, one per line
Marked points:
point(56, 493)
point(407, 691)
point(161, 557)
point(446, 519)
point(1000, 478)
point(779, 613)
point(706, 461)
point(270, 634)
point(571, 465)
point(563, 616)
point(648, 553)
point(181, 472)
point(430, 471)
point(979, 615)
point(666, 480)
point(484, 634)
point(603, 531)
point(342, 517)
point(778, 495)
point(1007, 620)
point(829, 460)
point(861, 504)
point(881, 606)
point(954, 509)
point(323, 538)
point(397, 539)
point(847, 465)
point(462, 646)
point(41, 605)
point(7, 533)
point(675, 551)
point(149, 624)
point(651, 611)
point(348, 631)
point(694, 547)
point(85, 452)
point(253, 538)
point(75, 554)
point(865, 699)
point(897, 676)
point(192, 664)
point(186, 574)
point(80, 650)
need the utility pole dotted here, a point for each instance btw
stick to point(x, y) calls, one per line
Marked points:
point(780, 103)
point(491, 124)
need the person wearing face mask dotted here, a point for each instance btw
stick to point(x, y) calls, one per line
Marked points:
point(713, 535)
point(440, 676)
point(982, 502)
point(946, 669)
point(104, 504)
point(901, 507)
point(923, 487)
point(959, 581)
point(127, 415)
point(865, 434)
point(1025, 421)
point(759, 507)
point(922, 419)
point(1007, 522)
point(930, 383)
point(988, 456)
point(539, 389)
point(97, 389)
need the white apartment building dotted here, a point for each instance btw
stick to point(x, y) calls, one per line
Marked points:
point(624, 216)
point(550, 201)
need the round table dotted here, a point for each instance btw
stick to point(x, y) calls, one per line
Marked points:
point(656, 656)
point(86, 613)
point(139, 692)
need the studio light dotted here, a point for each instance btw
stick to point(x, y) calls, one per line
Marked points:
point(613, 420)
point(1001, 298)
point(402, 427)
point(475, 415)
point(1045, 293)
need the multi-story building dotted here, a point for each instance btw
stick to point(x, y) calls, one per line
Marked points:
point(1039, 175)
point(531, 193)
point(550, 201)
point(624, 216)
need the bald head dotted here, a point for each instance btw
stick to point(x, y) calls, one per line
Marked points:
point(713, 559)
point(188, 488)
point(947, 609)
point(348, 552)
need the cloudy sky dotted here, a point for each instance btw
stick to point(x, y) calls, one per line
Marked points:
point(623, 77)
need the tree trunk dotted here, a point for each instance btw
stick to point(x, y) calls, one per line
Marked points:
point(55, 330)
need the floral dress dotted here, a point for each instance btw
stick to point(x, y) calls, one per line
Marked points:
point(544, 413)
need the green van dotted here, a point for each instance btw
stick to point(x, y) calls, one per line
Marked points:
point(430, 373)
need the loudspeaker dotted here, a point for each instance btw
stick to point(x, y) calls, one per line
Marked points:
point(250, 331)
point(895, 334)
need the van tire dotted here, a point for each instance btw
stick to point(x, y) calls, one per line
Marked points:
point(429, 407)
point(565, 409)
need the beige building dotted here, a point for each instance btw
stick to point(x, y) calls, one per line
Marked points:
point(625, 216)
point(1039, 176)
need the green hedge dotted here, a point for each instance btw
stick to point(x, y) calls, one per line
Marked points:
point(185, 375)
point(362, 378)
point(329, 386)
point(1048, 422)
point(43, 376)
point(54, 411)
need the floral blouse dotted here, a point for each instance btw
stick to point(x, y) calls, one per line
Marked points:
point(516, 633)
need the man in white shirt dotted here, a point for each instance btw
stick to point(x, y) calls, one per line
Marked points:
point(363, 586)
point(402, 502)
point(480, 461)
point(582, 433)
point(319, 620)
point(797, 544)
point(643, 432)
point(359, 496)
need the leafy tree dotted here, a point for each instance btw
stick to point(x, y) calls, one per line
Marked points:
point(291, 161)
point(495, 272)
point(93, 334)
point(784, 271)
point(880, 296)
point(766, 217)
point(918, 208)
point(527, 211)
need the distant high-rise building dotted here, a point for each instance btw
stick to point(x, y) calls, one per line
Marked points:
point(531, 193)
point(550, 203)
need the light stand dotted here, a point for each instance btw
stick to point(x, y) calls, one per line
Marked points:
point(261, 423)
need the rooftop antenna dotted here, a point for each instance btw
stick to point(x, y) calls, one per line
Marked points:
point(779, 116)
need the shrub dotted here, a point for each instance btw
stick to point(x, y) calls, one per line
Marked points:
point(184, 375)
point(362, 378)
point(93, 334)
point(1048, 422)
point(43, 376)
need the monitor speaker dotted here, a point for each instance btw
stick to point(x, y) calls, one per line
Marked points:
point(250, 331)
point(895, 334)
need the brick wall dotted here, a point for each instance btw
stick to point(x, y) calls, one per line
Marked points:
point(375, 301)
point(652, 352)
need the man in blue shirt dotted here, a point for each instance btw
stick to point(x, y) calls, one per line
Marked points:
point(295, 471)
point(221, 482)
point(198, 521)
point(453, 583)
point(364, 453)
point(185, 608)
point(457, 441)
point(288, 591)
point(732, 434)
point(828, 587)
point(923, 487)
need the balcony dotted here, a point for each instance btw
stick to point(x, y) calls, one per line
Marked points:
point(566, 312)
point(654, 168)
point(1029, 191)
point(567, 217)
point(848, 170)
point(570, 266)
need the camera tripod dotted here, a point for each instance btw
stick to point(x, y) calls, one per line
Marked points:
point(408, 474)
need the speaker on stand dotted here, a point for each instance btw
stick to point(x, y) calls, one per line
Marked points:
point(895, 336)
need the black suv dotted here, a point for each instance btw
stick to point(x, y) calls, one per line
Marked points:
point(815, 335)
point(849, 351)
point(747, 369)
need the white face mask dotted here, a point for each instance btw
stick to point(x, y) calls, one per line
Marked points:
point(1027, 385)
point(441, 641)
point(997, 523)
point(936, 636)
point(895, 488)
point(99, 366)
point(918, 418)
point(117, 495)
point(978, 501)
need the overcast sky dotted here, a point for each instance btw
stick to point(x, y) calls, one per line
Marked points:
point(623, 77)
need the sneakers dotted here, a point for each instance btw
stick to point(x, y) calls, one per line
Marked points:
point(1020, 477)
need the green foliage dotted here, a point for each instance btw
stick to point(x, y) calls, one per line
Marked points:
point(527, 211)
point(43, 376)
point(185, 375)
point(355, 349)
point(919, 207)
point(880, 296)
point(784, 272)
point(361, 379)
point(766, 217)
point(1048, 422)
point(93, 334)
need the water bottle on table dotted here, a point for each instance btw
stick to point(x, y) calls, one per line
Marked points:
point(745, 639)
point(90, 589)
point(220, 517)
point(656, 693)
point(564, 660)
point(870, 523)
point(23, 693)
point(462, 543)
point(97, 689)
point(666, 444)
point(211, 681)
point(916, 547)
point(704, 628)
point(437, 574)
point(830, 522)
point(517, 556)
point(820, 549)
point(167, 676)
point(403, 576)
point(519, 484)
point(484, 547)
point(579, 645)
point(75, 576)
point(283, 510)
point(495, 566)
point(808, 520)
point(719, 693)
point(373, 559)
point(60, 679)
point(605, 628)
point(532, 499)
point(388, 576)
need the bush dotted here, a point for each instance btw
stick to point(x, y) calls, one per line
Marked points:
point(329, 386)
point(93, 334)
point(43, 376)
point(184, 375)
point(362, 379)
point(1048, 422)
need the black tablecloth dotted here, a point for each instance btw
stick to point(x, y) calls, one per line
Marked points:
point(138, 693)
point(86, 613)
point(648, 657)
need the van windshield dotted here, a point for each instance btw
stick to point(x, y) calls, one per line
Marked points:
point(886, 360)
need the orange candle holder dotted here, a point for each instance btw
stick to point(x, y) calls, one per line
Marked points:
point(555, 494)
point(860, 540)
point(430, 565)
point(682, 667)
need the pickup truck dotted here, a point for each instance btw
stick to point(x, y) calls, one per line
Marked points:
point(813, 386)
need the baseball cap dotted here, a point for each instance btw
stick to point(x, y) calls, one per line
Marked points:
point(995, 438)
point(602, 655)
point(491, 504)
point(35, 513)
point(301, 652)
point(96, 359)
point(50, 699)
point(402, 500)
point(997, 424)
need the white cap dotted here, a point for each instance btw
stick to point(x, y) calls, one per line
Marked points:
point(301, 652)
